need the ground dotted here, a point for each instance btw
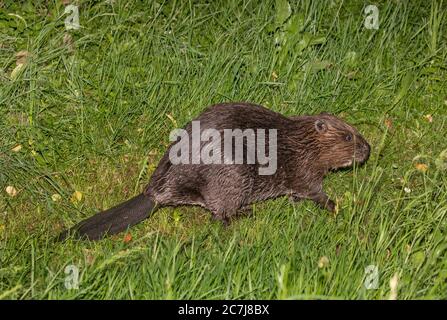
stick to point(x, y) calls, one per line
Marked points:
point(85, 115)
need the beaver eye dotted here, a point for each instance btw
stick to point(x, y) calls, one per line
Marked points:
point(348, 137)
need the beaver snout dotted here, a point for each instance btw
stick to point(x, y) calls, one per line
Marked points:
point(363, 151)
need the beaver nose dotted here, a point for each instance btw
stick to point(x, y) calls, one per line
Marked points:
point(367, 147)
point(366, 150)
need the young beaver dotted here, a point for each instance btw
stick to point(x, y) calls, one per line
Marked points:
point(307, 148)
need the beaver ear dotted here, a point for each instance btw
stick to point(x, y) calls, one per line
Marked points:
point(320, 126)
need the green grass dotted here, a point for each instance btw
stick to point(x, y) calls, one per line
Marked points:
point(92, 116)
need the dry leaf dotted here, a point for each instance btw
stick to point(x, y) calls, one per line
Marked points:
point(56, 197)
point(127, 238)
point(22, 57)
point(11, 191)
point(394, 282)
point(323, 262)
point(274, 76)
point(421, 167)
point(388, 123)
point(17, 148)
point(76, 197)
point(429, 118)
point(89, 257)
point(15, 73)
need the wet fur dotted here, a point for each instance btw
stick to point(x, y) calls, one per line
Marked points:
point(308, 147)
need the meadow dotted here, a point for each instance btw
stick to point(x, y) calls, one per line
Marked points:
point(85, 116)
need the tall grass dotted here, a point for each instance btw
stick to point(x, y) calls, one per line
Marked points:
point(92, 110)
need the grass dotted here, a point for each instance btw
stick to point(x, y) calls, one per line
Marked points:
point(92, 110)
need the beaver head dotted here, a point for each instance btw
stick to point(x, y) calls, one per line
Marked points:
point(341, 145)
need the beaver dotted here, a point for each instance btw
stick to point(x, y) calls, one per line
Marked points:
point(307, 147)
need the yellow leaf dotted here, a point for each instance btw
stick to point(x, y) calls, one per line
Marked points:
point(76, 197)
point(56, 197)
point(323, 262)
point(429, 118)
point(421, 167)
point(17, 148)
point(15, 73)
point(11, 191)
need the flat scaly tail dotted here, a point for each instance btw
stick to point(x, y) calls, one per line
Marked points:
point(113, 220)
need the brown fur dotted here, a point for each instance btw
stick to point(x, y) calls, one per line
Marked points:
point(308, 147)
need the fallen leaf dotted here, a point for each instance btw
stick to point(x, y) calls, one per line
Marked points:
point(274, 76)
point(127, 238)
point(15, 73)
point(17, 148)
point(76, 197)
point(429, 118)
point(394, 282)
point(11, 191)
point(323, 262)
point(22, 57)
point(89, 257)
point(56, 197)
point(422, 167)
point(388, 123)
